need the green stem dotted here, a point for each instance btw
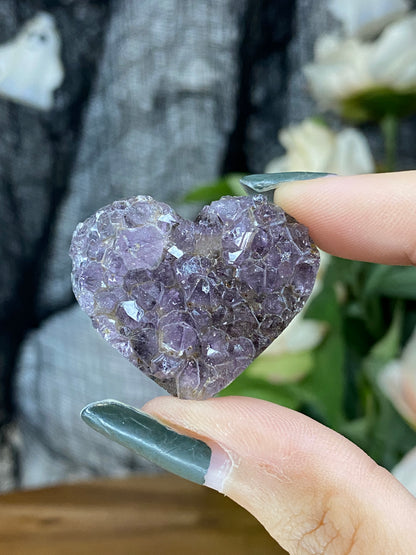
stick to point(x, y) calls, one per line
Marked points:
point(389, 128)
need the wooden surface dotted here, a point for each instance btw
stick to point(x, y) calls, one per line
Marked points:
point(145, 515)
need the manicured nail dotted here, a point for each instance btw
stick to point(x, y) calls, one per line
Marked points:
point(182, 455)
point(266, 183)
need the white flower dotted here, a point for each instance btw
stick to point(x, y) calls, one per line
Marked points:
point(405, 471)
point(312, 146)
point(393, 58)
point(340, 69)
point(398, 381)
point(366, 19)
point(30, 67)
point(343, 68)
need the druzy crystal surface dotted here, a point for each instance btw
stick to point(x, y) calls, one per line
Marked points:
point(192, 303)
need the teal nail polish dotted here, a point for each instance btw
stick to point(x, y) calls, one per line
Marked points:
point(182, 455)
point(266, 183)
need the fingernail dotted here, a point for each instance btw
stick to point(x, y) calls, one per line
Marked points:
point(266, 183)
point(185, 456)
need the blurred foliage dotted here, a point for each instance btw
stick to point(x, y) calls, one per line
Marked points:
point(229, 184)
point(370, 310)
point(373, 104)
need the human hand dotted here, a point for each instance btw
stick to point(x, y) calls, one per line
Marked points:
point(312, 489)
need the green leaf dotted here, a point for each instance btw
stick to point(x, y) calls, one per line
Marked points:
point(388, 437)
point(323, 387)
point(347, 272)
point(325, 307)
point(235, 185)
point(389, 346)
point(356, 430)
point(319, 119)
point(392, 281)
point(283, 368)
point(248, 386)
point(374, 104)
point(325, 381)
point(208, 193)
point(364, 307)
point(227, 185)
point(409, 320)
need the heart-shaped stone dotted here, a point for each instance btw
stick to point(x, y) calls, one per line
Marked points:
point(192, 303)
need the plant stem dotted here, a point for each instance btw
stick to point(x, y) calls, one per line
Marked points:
point(389, 128)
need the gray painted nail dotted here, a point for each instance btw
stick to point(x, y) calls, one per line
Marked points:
point(182, 455)
point(266, 183)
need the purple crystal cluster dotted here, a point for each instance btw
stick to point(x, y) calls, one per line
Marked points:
point(192, 303)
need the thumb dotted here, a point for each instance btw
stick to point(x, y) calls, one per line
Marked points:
point(312, 489)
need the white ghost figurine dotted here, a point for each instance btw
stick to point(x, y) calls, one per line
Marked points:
point(30, 66)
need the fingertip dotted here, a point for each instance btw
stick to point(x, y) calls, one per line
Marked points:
point(363, 217)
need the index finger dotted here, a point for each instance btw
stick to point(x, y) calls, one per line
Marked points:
point(364, 217)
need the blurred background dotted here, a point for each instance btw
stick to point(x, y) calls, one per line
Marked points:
point(102, 100)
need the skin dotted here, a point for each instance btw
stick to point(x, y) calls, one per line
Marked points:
point(312, 489)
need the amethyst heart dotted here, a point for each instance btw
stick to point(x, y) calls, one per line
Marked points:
point(192, 303)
